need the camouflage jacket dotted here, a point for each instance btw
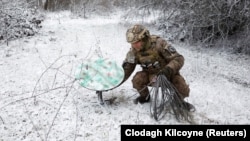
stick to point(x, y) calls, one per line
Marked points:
point(158, 55)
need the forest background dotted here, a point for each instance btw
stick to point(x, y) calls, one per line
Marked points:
point(209, 23)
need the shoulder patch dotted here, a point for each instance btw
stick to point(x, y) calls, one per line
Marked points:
point(171, 49)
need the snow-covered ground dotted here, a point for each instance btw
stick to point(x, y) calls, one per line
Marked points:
point(40, 101)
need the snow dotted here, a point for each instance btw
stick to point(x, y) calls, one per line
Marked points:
point(39, 99)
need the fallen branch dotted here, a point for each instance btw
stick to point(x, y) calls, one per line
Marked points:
point(44, 73)
point(34, 96)
point(53, 121)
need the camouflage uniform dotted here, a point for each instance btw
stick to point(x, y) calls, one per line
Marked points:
point(156, 55)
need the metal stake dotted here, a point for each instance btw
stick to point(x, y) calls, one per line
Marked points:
point(99, 94)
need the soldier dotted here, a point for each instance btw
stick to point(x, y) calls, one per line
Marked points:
point(155, 56)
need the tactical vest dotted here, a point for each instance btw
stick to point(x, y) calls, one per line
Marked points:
point(151, 59)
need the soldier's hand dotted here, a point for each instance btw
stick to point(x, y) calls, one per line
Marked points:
point(167, 71)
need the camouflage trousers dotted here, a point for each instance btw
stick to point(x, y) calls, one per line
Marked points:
point(142, 79)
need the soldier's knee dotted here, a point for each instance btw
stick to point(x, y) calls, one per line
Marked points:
point(185, 91)
point(140, 79)
point(181, 85)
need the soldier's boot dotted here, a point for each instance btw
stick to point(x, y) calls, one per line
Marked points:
point(144, 96)
point(184, 90)
point(140, 81)
point(141, 99)
point(188, 106)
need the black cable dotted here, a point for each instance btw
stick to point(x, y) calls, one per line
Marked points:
point(167, 99)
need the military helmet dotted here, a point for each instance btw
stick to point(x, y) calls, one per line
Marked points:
point(136, 33)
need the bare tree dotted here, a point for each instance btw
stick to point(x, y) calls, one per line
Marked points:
point(208, 20)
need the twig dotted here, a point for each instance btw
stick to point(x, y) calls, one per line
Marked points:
point(46, 91)
point(44, 73)
point(2, 120)
point(26, 109)
point(138, 8)
point(69, 76)
point(42, 61)
point(66, 96)
point(77, 114)
point(57, 70)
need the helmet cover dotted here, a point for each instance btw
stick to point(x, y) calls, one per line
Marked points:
point(136, 33)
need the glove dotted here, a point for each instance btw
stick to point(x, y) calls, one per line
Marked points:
point(167, 71)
